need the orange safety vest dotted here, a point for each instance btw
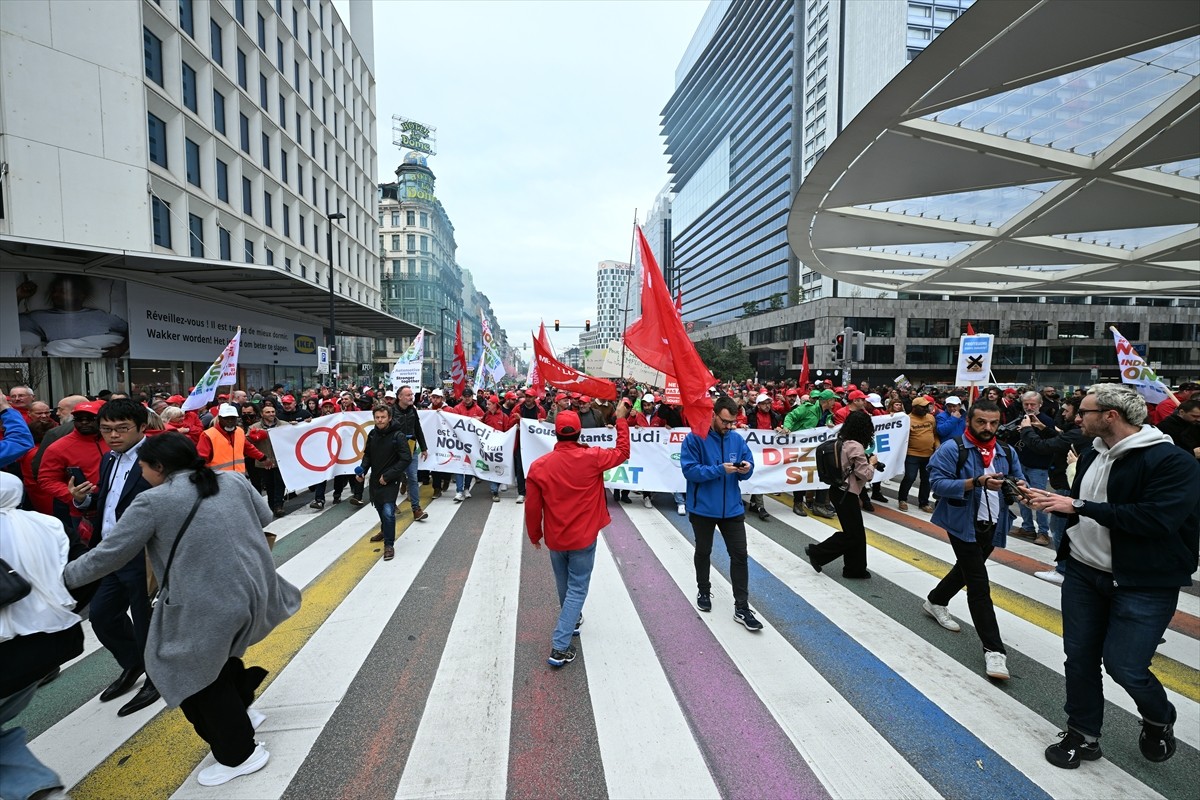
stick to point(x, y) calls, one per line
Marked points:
point(226, 455)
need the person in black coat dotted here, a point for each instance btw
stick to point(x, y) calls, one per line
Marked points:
point(386, 459)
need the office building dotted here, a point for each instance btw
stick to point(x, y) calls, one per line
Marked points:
point(612, 297)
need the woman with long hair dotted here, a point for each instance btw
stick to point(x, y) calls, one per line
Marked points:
point(850, 543)
point(218, 594)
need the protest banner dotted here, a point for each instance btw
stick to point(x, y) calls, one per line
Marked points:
point(783, 462)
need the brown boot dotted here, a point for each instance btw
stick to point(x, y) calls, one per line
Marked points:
point(377, 537)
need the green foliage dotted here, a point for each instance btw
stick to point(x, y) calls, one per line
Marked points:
point(728, 364)
point(776, 301)
point(750, 308)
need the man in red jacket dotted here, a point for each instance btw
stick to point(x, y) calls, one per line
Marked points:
point(565, 503)
point(83, 447)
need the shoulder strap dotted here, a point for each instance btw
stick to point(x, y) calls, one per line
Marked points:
point(962, 456)
point(171, 558)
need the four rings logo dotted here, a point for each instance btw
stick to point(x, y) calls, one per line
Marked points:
point(334, 444)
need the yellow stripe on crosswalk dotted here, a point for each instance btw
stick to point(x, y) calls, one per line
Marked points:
point(157, 759)
point(1174, 675)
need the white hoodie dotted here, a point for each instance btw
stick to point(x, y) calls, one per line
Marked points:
point(1091, 542)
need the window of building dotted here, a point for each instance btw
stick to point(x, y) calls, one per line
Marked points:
point(248, 250)
point(424, 220)
point(222, 181)
point(1076, 330)
point(991, 326)
point(873, 326)
point(216, 47)
point(262, 91)
point(301, 226)
point(192, 152)
point(395, 222)
point(239, 11)
point(157, 140)
point(411, 241)
point(283, 164)
point(1028, 329)
point(424, 244)
point(152, 47)
point(279, 54)
point(262, 33)
point(879, 354)
point(218, 111)
point(1171, 332)
point(189, 88)
point(242, 69)
point(160, 216)
point(312, 94)
point(195, 236)
point(920, 34)
point(247, 197)
point(268, 210)
point(1130, 330)
point(270, 256)
point(929, 354)
point(244, 129)
point(396, 242)
point(185, 18)
point(266, 151)
point(928, 328)
point(410, 217)
point(287, 221)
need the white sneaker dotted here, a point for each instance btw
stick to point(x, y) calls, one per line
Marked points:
point(458, 497)
point(646, 501)
point(504, 488)
point(997, 666)
point(1051, 575)
point(218, 773)
point(942, 615)
point(681, 509)
point(520, 499)
point(256, 717)
point(467, 492)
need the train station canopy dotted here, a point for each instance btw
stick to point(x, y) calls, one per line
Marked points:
point(1034, 148)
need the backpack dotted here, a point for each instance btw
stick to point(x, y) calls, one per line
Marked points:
point(962, 454)
point(828, 456)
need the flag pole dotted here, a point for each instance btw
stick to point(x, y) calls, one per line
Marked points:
point(625, 320)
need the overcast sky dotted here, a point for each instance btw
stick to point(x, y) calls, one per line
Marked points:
point(548, 137)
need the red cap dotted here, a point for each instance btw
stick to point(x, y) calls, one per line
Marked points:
point(574, 395)
point(90, 407)
point(566, 423)
point(585, 399)
point(328, 402)
point(855, 394)
point(839, 389)
point(222, 397)
point(510, 395)
point(175, 398)
point(287, 398)
point(792, 393)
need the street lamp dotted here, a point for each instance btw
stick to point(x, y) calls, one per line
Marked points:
point(331, 343)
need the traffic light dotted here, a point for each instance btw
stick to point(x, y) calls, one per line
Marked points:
point(555, 325)
point(839, 347)
point(860, 347)
point(587, 324)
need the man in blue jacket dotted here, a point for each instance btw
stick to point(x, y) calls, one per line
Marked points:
point(967, 475)
point(714, 467)
point(1132, 540)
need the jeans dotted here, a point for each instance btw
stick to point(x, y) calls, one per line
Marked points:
point(733, 531)
point(463, 482)
point(1058, 527)
point(121, 591)
point(573, 576)
point(1121, 627)
point(915, 466)
point(1038, 479)
point(850, 543)
point(495, 488)
point(678, 498)
point(414, 484)
point(970, 570)
point(23, 775)
point(387, 522)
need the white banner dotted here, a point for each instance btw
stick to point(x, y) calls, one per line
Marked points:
point(782, 462)
point(311, 452)
point(1136, 372)
point(974, 358)
point(222, 372)
point(407, 370)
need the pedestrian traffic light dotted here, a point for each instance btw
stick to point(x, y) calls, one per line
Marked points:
point(556, 325)
point(860, 346)
point(839, 347)
point(587, 324)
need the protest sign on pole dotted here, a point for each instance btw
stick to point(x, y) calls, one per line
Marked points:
point(223, 372)
point(407, 370)
point(1136, 372)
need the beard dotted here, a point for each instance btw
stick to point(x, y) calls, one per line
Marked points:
point(983, 436)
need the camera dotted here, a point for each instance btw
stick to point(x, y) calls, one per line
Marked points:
point(880, 466)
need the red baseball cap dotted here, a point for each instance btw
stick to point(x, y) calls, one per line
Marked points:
point(855, 394)
point(90, 407)
point(175, 398)
point(287, 398)
point(566, 423)
point(510, 395)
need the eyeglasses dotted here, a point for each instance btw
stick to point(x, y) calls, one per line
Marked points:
point(725, 421)
point(117, 428)
point(1082, 411)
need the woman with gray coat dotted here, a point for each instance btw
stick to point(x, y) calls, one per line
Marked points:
point(219, 594)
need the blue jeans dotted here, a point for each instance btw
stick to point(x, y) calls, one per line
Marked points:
point(414, 484)
point(1058, 526)
point(462, 482)
point(1121, 627)
point(678, 498)
point(914, 466)
point(387, 522)
point(573, 575)
point(1038, 479)
point(23, 774)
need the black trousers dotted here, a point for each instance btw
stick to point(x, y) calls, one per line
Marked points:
point(733, 531)
point(850, 543)
point(273, 482)
point(120, 592)
point(218, 712)
point(970, 570)
point(441, 481)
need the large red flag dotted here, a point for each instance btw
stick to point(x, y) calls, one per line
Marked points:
point(802, 384)
point(535, 375)
point(558, 374)
point(458, 367)
point(660, 341)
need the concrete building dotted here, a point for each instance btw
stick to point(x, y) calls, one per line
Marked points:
point(420, 279)
point(612, 294)
point(191, 166)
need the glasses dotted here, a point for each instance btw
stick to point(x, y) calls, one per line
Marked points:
point(1083, 411)
point(726, 421)
point(106, 429)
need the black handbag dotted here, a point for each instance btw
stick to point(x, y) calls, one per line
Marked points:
point(13, 586)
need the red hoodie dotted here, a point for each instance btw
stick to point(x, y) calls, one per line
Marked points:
point(72, 450)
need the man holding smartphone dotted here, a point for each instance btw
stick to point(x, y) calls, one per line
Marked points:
point(714, 467)
point(1036, 465)
point(968, 475)
point(82, 447)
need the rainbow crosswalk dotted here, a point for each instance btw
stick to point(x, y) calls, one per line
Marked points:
point(426, 676)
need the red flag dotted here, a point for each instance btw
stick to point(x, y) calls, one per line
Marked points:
point(660, 341)
point(458, 367)
point(970, 329)
point(535, 375)
point(558, 374)
point(803, 382)
point(679, 301)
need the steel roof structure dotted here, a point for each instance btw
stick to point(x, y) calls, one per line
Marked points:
point(1044, 147)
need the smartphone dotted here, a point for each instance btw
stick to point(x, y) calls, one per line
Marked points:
point(1020, 490)
point(77, 474)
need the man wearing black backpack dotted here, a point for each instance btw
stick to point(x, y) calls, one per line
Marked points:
point(968, 475)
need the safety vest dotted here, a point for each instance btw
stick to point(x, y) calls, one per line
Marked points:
point(226, 455)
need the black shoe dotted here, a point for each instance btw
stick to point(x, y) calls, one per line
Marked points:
point(336, 500)
point(279, 512)
point(762, 513)
point(578, 624)
point(798, 509)
point(812, 559)
point(145, 696)
point(747, 618)
point(559, 657)
point(1071, 750)
point(50, 676)
point(122, 684)
point(317, 504)
point(867, 506)
point(857, 576)
point(879, 498)
point(625, 499)
point(1157, 742)
point(704, 601)
point(357, 501)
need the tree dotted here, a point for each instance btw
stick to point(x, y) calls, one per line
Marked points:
point(733, 363)
point(749, 308)
point(776, 301)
